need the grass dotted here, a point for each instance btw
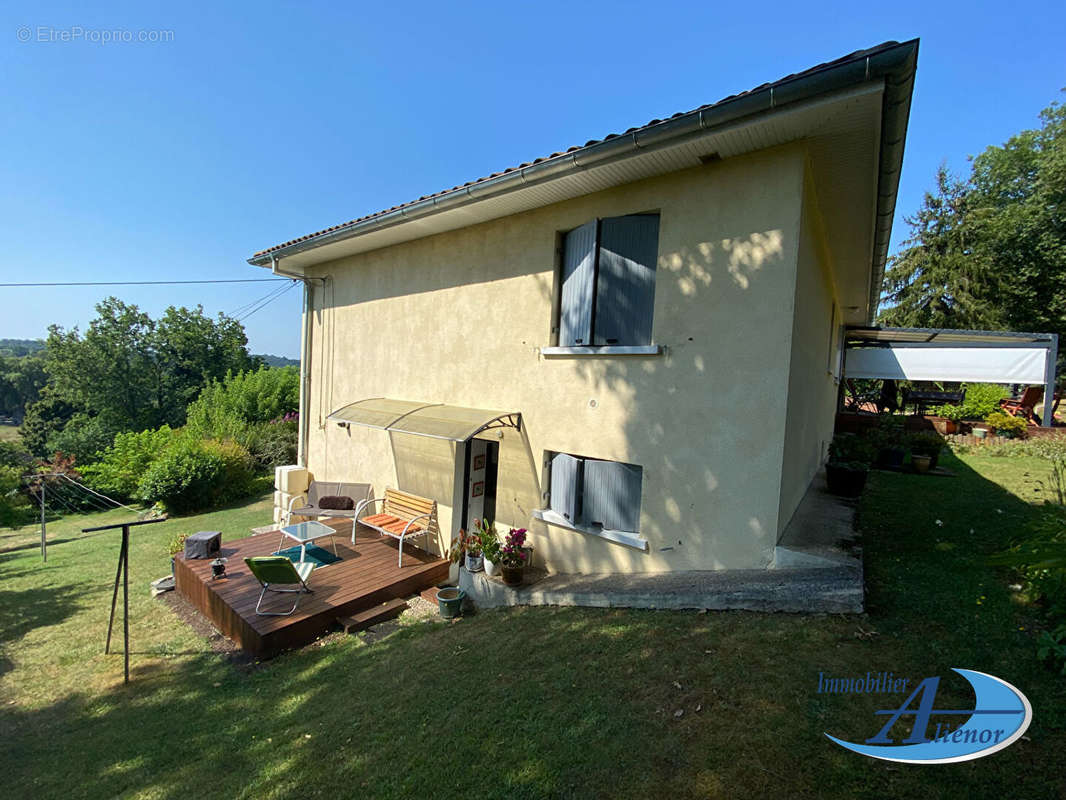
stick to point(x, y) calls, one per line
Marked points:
point(536, 702)
point(9, 433)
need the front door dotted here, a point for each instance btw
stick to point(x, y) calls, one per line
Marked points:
point(482, 464)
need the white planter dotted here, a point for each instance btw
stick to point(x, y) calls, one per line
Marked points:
point(491, 568)
point(473, 563)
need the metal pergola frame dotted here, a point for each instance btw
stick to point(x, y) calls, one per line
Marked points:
point(857, 337)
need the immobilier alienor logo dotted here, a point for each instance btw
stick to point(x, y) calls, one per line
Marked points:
point(1001, 714)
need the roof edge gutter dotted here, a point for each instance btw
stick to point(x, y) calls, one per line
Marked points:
point(894, 65)
point(898, 73)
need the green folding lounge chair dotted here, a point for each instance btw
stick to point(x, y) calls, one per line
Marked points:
point(278, 571)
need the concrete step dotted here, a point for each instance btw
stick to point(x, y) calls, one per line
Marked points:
point(372, 616)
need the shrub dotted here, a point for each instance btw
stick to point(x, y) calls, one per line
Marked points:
point(238, 471)
point(926, 443)
point(1002, 422)
point(125, 462)
point(981, 399)
point(256, 409)
point(888, 434)
point(15, 507)
point(14, 454)
point(225, 407)
point(271, 443)
point(1048, 447)
point(851, 451)
point(83, 437)
point(949, 411)
point(193, 475)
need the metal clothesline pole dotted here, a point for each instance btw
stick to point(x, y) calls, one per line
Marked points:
point(44, 537)
point(122, 574)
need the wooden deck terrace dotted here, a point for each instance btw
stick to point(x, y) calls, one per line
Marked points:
point(366, 576)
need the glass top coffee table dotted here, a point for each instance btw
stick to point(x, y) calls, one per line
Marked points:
point(305, 532)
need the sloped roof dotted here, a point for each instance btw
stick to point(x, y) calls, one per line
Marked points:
point(859, 58)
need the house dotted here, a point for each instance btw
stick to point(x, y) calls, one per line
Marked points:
point(631, 348)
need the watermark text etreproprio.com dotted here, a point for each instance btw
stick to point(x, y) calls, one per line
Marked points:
point(50, 34)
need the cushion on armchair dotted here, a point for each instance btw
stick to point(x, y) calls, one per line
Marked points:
point(336, 503)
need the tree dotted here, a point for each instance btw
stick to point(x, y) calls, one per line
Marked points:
point(111, 371)
point(1019, 220)
point(937, 280)
point(988, 251)
point(21, 381)
point(128, 372)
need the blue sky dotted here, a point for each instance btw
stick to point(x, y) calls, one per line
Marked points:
point(259, 122)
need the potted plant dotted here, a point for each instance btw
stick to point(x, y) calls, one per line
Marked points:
point(466, 549)
point(1006, 425)
point(513, 556)
point(946, 418)
point(925, 450)
point(888, 438)
point(848, 465)
point(490, 547)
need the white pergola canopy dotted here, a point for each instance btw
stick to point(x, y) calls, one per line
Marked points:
point(435, 420)
point(934, 354)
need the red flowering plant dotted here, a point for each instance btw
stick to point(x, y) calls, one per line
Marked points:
point(465, 544)
point(511, 553)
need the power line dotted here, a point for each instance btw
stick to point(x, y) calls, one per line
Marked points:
point(263, 305)
point(147, 283)
point(235, 313)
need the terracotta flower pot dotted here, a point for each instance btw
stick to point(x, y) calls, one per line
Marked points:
point(943, 425)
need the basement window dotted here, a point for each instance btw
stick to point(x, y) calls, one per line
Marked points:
point(595, 496)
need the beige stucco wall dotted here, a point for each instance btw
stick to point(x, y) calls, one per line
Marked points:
point(812, 384)
point(460, 318)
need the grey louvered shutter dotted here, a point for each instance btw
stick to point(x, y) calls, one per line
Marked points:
point(565, 480)
point(625, 284)
point(612, 495)
point(579, 276)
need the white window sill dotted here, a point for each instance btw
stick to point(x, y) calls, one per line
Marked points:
point(603, 350)
point(628, 538)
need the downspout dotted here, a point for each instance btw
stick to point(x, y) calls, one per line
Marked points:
point(305, 359)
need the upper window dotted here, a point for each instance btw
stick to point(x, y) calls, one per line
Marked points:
point(608, 282)
point(593, 493)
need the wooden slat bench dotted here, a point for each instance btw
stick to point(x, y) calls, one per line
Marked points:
point(402, 516)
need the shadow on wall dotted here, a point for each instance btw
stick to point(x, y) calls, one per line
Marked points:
point(426, 467)
point(518, 488)
point(707, 417)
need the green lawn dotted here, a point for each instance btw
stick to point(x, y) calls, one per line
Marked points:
point(9, 433)
point(529, 702)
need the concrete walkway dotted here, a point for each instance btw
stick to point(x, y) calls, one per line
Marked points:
point(817, 567)
point(833, 589)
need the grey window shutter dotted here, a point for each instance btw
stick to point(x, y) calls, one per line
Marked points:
point(612, 495)
point(565, 480)
point(625, 285)
point(579, 276)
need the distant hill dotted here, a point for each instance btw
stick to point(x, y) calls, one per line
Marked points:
point(277, 361)
point(20, 347)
